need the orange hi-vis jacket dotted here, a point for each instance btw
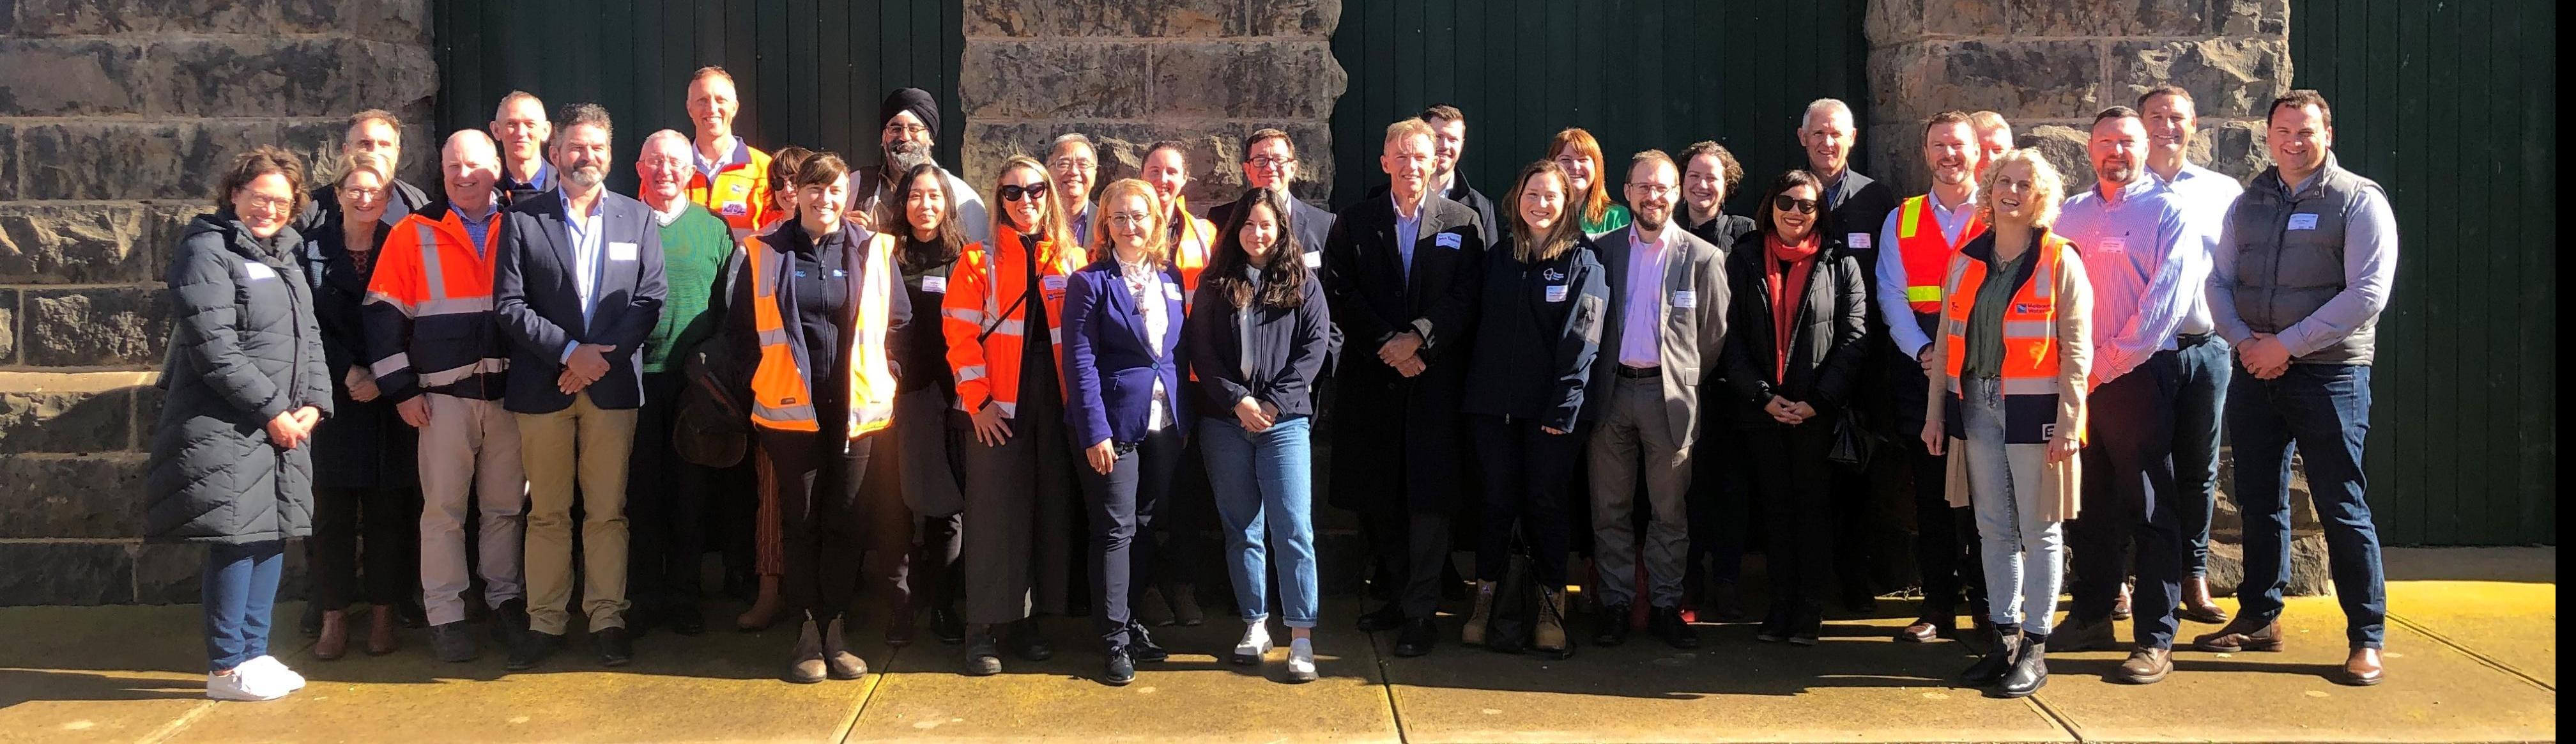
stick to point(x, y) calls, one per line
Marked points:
point(984, 314)
point(428, 312)
point(739, 193)
point(2030, 379)
point(780, 398)
point(1193, 240)
point(1926, 253)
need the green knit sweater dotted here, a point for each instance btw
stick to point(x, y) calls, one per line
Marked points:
point(694, 250)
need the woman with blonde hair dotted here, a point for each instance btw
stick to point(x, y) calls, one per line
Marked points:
point(363, 477)
point(1580, 155)
point(2015, 355)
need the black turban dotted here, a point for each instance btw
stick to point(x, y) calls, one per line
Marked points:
point(915, 100)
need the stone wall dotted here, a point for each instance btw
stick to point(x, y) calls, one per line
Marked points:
point(114, 117)
point(1206, 72)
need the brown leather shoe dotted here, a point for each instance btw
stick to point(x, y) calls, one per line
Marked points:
point(2146, 666)
point(838, 662)
point(381, 623)
point(2236, 637)
point(333, 643)
point(808, 666)
point(2120, 608)
point(2362, 668)
point(2198, 606)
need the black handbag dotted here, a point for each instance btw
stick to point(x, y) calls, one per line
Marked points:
point(713, 425)
point(1853, 442)
point(1519, 600)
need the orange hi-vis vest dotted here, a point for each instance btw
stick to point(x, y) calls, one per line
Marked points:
point(1193, 240)
point(780, 399)
point(983, 316)
point(2030, 381)
point(1926, 253)
point(430, 270)
point(739, 193)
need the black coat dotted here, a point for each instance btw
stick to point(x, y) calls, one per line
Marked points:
point(1400, 441)
point(244, 347)
point(1724, 231)
point(364, 445)
point(1287, 345)
point(1537, 334)
point(1826, 353)
point(1487, 220)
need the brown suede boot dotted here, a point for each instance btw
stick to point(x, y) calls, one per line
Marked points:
point(333, 642)
point(807, 667)
point(1549, 636)
point(1474, 633)
point(837, 659)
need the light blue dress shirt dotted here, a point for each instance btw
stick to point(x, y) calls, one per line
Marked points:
point(1892, 302)
point(2144, 263)
point(2204, 196)
point(588, 258)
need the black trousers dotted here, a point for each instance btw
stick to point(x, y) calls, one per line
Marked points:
point(387, 522)
point(1945, 537)
point(665, 507)
point(2130, 501)
point(816, 479)
point(1720, 505)
point(1798, 510)
point(1415, 546)
point(914, 558)
point(1527, 472)
point(1122, 504)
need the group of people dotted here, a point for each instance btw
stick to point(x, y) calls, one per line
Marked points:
point(528, 399)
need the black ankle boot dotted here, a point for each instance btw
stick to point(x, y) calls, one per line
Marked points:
point(2029, 669)
point(2002, 642)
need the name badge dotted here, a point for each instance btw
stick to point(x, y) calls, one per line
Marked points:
point(1315, 260)
point(1448, 240)
point(734, 209)
point(1054, 283)
point(1556, 293)
point(1685, 298)
point(256, 271)
point(1858, 241)
point(1172, 291)
point(934, 284)
point(621, 251)
point(2113, 245)
point(2303, 221)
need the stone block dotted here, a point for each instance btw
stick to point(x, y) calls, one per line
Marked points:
point(75, 244)
point(238, 77)
point(2231, 147)
point(164, 223)
point(81, 422)
point(105, 17)
point(66, 573)
point(1954, 18)
point(2309, 575)
point(1894, 152)
point(105, 159)
point(70, 77)
point(8, 326)
point(2149, 17)
point(147, 412)
point(400, 77)
point(1153, 19)
point(1247, 80)
point(398, 21)
point(2020, 79)
point(2065, 148)
point(9, 157)
point(2228, 78)
point(1005, 80)
point(95, 327)
point(1892, 22)
point(1317, 18)
point(83, 496)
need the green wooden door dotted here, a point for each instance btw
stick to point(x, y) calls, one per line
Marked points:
point(2452, 106)
point(1638, 74)
point(810, 72)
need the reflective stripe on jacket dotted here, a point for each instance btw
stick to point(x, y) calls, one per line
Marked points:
point(984, 315)
point(780, 397)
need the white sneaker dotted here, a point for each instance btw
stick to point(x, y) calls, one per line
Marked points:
point(1301, 660)
point(268, 666)
point(1255, 644)
point(243, 685)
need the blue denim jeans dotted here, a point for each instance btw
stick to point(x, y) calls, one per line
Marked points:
point(2324, 409)
point(2206, 367)
point(1265, 492)
point(2024, 553)
point(240, 585)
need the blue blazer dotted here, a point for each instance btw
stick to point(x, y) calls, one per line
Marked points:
point(1109, 370)
point(540, 310)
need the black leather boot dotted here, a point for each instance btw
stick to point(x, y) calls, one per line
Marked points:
point(2002, 642)
point(2029, 669)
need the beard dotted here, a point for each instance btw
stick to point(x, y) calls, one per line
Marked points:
point(587, 174)
point(1653, 222)
point(903, 156)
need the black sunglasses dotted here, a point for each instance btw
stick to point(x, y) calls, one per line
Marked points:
point(1789, 203)
point(1013, 191)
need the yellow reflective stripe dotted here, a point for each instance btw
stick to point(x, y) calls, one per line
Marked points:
point(1923, 293)
point(1905, 223)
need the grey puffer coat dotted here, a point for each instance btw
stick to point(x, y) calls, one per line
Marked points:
point(244, 347)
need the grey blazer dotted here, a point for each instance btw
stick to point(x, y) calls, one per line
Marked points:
point(1693, 335)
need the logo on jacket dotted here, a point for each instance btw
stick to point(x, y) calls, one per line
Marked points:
point(2024, 308)
point(1552, 274)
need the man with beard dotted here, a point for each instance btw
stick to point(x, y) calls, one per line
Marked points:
point(2145, 266)
point(1448, 147)
point(1075, 165)
point(731, 177)
point(520, 128)
point(911, 126)
point(1916, 244)
point(578, 287)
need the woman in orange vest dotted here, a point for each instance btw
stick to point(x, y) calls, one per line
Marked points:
point(766, 545)
point(814, 305)
point(1005, 303)
point(2015, 343)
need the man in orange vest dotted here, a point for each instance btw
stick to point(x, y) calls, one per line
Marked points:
point(1918, 241)
point(437, 353)
point(1167, 169)
point(732, 177)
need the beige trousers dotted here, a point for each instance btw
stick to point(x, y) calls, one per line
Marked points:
point(469, 449)
point(586, 443)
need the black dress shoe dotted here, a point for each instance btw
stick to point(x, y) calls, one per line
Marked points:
point(1666, 623)
point(687, 621)
point(616, 647)
point(947, 626)
point(452, 643)
point(1612, 622)
point(1119, 668)
point(1775, 627)
point(983, 656)
point(1417, 638)
point(2029, 670)
point(532, 649)
point(1389, 617)
point(1027, 643)
point(1807, 629)
point(1141, 646)
point(510, 622)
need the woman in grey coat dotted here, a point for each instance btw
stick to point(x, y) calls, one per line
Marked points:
point(247, 383)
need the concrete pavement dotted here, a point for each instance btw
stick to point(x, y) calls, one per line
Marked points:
point(2472, 658)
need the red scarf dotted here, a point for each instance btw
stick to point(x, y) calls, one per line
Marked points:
point(1801, 257)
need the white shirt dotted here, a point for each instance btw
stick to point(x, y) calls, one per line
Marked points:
point(1641, 334)
point(584, 229)
point(2205, 196)
point(1145, 285)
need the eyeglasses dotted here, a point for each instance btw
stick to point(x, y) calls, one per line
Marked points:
point(1129, 219)
point(361, 192)
point(908, 130)
point(1651, 189)
point(260, 203)
point(1787, 203)
point(1270, 161)
point(1013, 191)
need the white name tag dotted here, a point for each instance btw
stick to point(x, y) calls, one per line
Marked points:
point(1315, 260)
point(934, 284)
point(1685, 298)
point(1858, 241)
point(1053, 283)
point(621, 251)
point(2113, 245)
point(1448, 240)
point(1172, 291)
point(2303, 221)
point(257, 271)
point(1556, 293)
